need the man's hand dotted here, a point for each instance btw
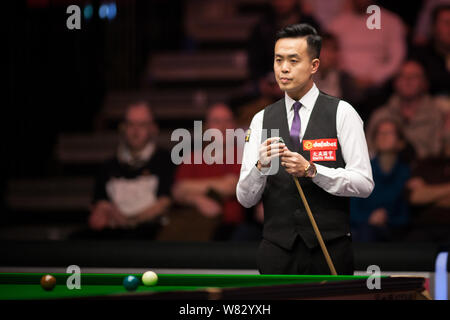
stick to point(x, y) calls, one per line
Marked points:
point(151, 213)
point(98, 219)
point(118, 220)
point(207, 207)
point(186, 190)
point(104, 215)
point(415, 183)
point(378, 217)
point(294, 163)
point(268, 150)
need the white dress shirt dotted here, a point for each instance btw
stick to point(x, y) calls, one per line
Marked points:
point(355, 180)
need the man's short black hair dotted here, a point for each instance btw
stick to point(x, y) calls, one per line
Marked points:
point(301, 30)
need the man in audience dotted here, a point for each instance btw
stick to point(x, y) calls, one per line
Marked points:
point(330, 78)
point(429, 193)
point(411, 105)
point(384, 215)
point(132, 190)
point(269, 92)
point(210, 188)
point(324, 10)
point(423, 23)
point(436, 55)
point(370, 56)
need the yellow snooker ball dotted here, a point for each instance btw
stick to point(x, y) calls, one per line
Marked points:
point(149, 278)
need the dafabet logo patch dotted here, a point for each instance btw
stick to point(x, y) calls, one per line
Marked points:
point(321, 149)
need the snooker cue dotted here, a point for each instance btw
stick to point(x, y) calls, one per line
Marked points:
point(316, 229)
point(314, 224)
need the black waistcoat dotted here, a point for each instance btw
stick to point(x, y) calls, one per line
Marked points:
point(285, 216)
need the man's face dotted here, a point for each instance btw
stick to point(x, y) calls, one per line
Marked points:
point(293, 66)
point(442, 28)
point(411, 81)
point(139, 127)
point(386, 139)
point(220, 117)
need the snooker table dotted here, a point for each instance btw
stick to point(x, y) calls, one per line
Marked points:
point(18, 286)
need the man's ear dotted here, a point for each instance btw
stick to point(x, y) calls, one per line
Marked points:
point(315, 65)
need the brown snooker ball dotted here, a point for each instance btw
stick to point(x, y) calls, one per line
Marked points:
point(48, 282)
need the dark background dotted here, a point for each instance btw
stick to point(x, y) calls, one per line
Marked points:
point(59, 79)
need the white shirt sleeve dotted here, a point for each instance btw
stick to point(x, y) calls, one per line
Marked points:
point(252, 182)
point(355, 180)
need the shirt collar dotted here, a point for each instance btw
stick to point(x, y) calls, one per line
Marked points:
point(308, 100)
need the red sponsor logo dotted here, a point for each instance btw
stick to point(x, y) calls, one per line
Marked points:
point(320, 144)
point(325, 155)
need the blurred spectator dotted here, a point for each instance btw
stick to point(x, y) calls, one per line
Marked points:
point(324, 10)
point(370, 56)
point(132, 190)
point(410, 105)
point(330, 78)
point(423, 26)
point(252, 228)
point(269, 92)
point(384, 215)
point(211, 188)
point(260, 45)
point(429, 190)
point(436, 55)
point(444, 105)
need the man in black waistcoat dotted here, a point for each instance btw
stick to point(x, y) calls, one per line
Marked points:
point(324, 147)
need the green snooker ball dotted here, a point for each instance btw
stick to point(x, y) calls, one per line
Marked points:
point(149, 278)
point(131, 283)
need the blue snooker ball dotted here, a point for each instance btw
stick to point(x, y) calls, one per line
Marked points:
point(131, 283)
